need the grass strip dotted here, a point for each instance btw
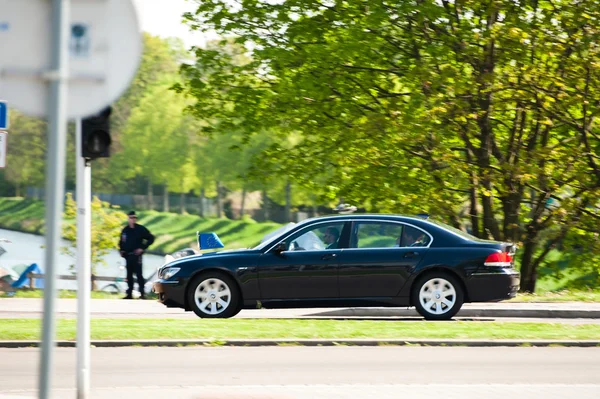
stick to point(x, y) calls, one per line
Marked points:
point(128, 329)
point(560, 296)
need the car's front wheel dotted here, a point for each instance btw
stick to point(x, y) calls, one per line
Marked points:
point(214, 295)
point(437, 296)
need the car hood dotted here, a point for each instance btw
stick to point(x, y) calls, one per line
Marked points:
point(211, 255)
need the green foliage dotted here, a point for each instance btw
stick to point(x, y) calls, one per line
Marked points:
point(477, 112)
point(26, 151)
point(107, 223)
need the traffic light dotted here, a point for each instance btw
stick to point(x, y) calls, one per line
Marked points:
point(95, 131)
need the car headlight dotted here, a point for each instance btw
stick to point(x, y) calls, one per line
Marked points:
point(170, 272)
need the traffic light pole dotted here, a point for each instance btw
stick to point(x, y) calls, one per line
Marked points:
point(84, 270)
point(55, 179)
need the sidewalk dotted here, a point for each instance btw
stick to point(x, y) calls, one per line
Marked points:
point(114, 308)
point(336, 391)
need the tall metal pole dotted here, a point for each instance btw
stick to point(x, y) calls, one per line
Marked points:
point(84, 269)
point(55, 180)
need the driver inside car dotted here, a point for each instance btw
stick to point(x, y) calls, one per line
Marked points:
point(331, 237)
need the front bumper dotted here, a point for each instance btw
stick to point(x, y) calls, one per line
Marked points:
point(492, 285)
point(171, 293)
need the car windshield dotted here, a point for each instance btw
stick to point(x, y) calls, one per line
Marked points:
point(453, 229)
point(274, 236)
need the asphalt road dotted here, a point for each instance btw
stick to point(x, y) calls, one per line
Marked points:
point(314, 372)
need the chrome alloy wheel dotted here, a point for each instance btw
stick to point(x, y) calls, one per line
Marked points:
point(212, 296)
point(437, 296)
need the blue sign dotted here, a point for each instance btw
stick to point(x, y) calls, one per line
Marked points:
point(3, 115)
point(79, 43)
point(209, 241)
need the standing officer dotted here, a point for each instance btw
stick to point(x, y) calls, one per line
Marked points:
point(135, 238)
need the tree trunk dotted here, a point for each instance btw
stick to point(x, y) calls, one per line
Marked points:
point(265, 204)
point(511, 205)
point(182, 203)
point(201, 208)
point(243, 206)
point(528, 268)
point(150, 197)
point(473, 211)
point(219, 200)
point(288, 202)
point(166, 200)
point(18, 189)
point(490, 225)
point(485, 80)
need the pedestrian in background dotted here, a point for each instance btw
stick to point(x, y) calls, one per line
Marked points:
point(135, 238)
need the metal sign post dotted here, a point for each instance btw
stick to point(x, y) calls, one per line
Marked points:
point(3, 154)
point(55, 179)
point(84, 269)
point(86, 38)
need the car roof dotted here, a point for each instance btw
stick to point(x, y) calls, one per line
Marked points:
point(380, 216)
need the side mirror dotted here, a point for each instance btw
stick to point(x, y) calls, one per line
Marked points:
point(279, 248)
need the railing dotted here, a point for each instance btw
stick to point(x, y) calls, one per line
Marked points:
point(33, 276)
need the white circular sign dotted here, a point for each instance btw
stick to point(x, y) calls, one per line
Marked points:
point(105, 45)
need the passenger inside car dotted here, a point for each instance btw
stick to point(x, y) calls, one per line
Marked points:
point(412, 237)
point(331, 237)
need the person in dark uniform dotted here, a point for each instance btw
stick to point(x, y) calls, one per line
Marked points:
point(135, 238)
point(331, 237)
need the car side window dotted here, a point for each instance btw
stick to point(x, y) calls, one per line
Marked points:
point(317, 238)
point(375, 235)
point(412, 237)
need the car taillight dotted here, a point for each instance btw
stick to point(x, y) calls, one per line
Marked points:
point(499, 259)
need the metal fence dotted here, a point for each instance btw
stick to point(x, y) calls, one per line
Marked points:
point(192, 205)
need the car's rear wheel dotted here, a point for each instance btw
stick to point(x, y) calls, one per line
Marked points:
point(437, 296)
point(214, 295)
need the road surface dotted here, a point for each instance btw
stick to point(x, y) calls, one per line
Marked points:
point(314, 372)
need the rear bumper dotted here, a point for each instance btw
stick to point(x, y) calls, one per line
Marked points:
point(170, 293)
point(491, 285)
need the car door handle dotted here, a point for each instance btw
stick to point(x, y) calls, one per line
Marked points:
point(411, 254)
point(328, 256)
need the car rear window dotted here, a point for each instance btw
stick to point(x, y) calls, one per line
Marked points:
point(453, 229)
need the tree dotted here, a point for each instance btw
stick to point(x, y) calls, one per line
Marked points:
point(158, 65)
point(156, 139)
point(26, 151)
point(107, 223)
point(479, 112)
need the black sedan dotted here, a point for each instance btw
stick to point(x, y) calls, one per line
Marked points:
point(350, 260)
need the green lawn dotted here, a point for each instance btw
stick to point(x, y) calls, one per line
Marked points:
point(560, 296)
point(173, 231)
point(114, 329)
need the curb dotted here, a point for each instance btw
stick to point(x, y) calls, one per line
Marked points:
point(500, 313)
point(314, 342)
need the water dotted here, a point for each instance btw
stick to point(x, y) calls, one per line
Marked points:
point(27, 249)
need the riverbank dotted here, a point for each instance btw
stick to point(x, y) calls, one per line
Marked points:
point(173, 231)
